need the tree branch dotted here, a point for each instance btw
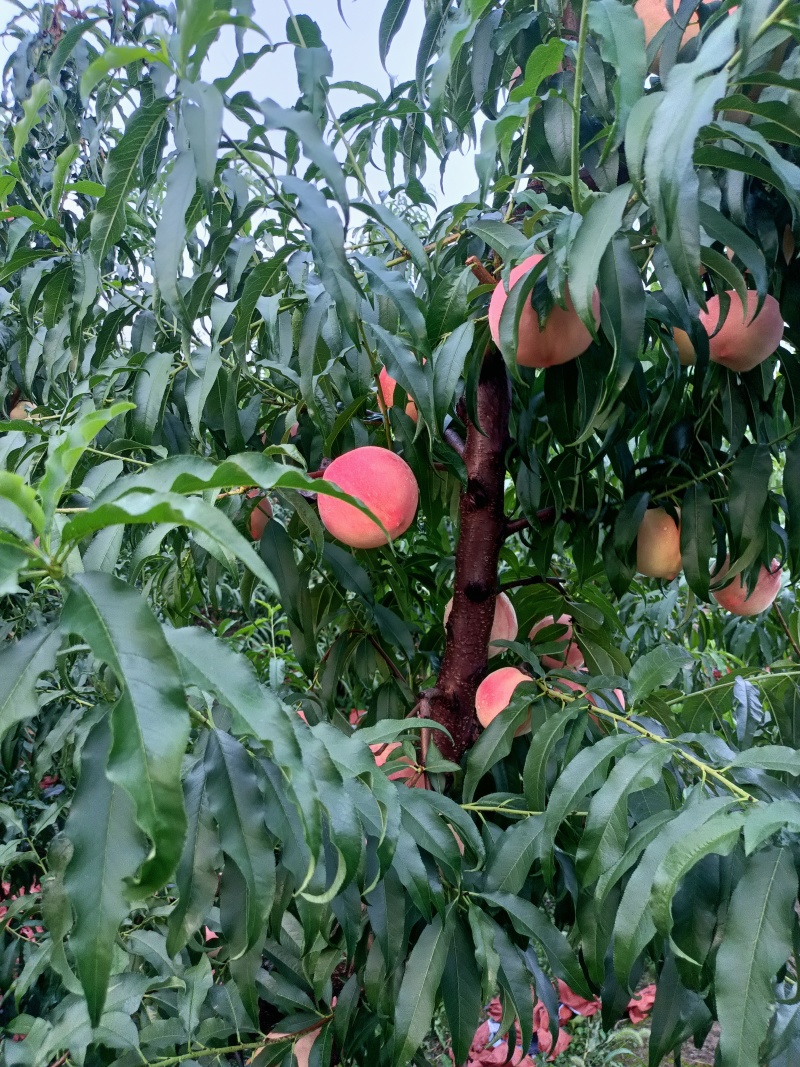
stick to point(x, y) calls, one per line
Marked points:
point(454, 440)
point(481, 527)
point(484, 276)
point(534, 579)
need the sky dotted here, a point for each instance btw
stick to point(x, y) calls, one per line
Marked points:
point(354, 47)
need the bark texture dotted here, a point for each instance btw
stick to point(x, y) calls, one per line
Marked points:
point(481, 535)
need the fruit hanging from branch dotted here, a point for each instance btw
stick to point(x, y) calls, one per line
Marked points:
point(658, 545)
point(564, 336)
point(378, 478)
point(735, 596)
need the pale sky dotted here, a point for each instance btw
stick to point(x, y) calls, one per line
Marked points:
point(355, 57)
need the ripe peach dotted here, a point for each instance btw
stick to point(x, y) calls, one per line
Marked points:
point(22, 410)
point(564, 336)
point(260, 515)
point(387, 384)
point(734, 598)
point(409, 773)
point(494, 695)
point(504, 626)
point(741, 345)
point(572, 655)
point(658, 545)
point(683, 342)
point(655, 14)
point(381, 480)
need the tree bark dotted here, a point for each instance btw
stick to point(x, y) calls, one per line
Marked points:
point(480, 538)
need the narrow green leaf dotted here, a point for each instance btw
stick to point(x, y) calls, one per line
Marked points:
point(769, 758)
point(119, 173)
point(534, 776)
point(461, 990)
point(416, 997)
point(260, 278)
point(237, 805)
point(448, 366)
point(305, 129)
point(763, 820)
point(513, 856)
point(620, 33)
point(747, 497)
point(756, 942)
point(171, 230)
point(21, 664)
point(149, 722)
point(656, 668)
point(596, 230)
point(197, 870)
point(696, 538)
point(391, 20)
point(40, 94)
point(605, 835)
point(107, 851)
point(583, 775)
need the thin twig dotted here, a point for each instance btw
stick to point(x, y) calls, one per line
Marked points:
point(786, 629)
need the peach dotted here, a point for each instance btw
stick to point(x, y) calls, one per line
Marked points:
point(387, 384)
point(504, 626)
point(741, 345)
point(734, 598)
point(655, 14)
point(658, 545)
point(683, 342)
point(381, 480)
point(494, 695)
point(564, 336)
point(22, 410)
point(260, 515)
point(572, 655)
point(408, 773)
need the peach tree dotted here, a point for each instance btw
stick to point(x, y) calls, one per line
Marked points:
point(271, 415)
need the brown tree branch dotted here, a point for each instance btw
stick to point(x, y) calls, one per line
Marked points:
point(451, 436)
point(484, 276)
point(481, 527)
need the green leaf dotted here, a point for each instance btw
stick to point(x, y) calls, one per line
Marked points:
point(448, 366)
point(171, 230)
point(202, 117)
point(326, 237)
point(21, 664)
point(634, 926)
point(197, 871)
point(149, 722)
point(583, 775)
point(147, 508)
point(791, 492)
point(656, 668)
point(150, 392)
point(718, 836)
point(40, 94)
point(260, 278)
point(495, 742)
point(756, 942)
point(119, 175)
point(747, 497)
point(696, 538)
point(391, 20)
point(513, 856)
point(60, 170)
point(596, 230)
point(534, 922)
point(200, 380)
point(543, 743)
point(673, 186)
point(769, 758)
point(461, 990)
point(605, 835)
point(416, 997)
point(763, 820)
point(15, 490)
point(544, 61)
point(113, 57)
point(678, 1013)
point(305, 129)
point(620, 33)
point(107, 851)
point(237, 805)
